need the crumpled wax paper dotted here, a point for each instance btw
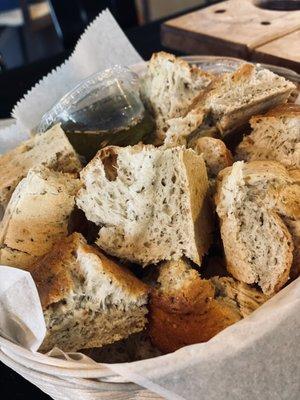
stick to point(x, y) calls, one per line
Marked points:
point(102, 45)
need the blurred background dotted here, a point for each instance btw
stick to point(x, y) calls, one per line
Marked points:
point(38, 35)
point(31, 30)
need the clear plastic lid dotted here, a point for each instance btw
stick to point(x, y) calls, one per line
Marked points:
point(105, 101)
point(218, 65)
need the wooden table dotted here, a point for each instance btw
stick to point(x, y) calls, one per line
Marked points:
point(238, 28)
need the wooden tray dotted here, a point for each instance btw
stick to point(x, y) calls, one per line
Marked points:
point(238, 28)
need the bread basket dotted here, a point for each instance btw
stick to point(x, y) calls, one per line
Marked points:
point(63, 378)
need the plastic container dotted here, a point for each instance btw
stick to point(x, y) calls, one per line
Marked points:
point(103, 109)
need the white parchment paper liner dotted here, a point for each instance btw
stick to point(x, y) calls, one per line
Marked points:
point(257, 358)
point(102, 45)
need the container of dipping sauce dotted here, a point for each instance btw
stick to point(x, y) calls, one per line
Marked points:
point(104, 109)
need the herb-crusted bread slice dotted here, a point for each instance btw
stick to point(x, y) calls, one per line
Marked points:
point(36, 216)
point(51, 149)
point(253, 201)
point(215, 154)
point(228, 103)
point(150, 203)
point(169, 87)
point(275, 136)
point(88, 300)
point(185, 309)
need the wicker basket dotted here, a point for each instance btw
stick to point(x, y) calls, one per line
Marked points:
point(70, 380)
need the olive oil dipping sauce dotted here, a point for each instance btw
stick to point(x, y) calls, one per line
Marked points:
point(103, 110)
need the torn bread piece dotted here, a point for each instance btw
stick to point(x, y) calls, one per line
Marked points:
point(185, 309)
point(288, 206)
point(51, 149)
point(150, 203)
point(215, 154)
point(275, 136)
point(36, 216)
point(253, 201)
point(235, 97)
point(169, 87)
point(88, 300)
point(229, 102)
point(180, 129)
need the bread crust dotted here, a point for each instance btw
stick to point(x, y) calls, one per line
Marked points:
point(215, 154)
point(88, 300)
point(228, 102)
point(37, 215)
point(175, 322)
point(51, 149)
point(152, 202)
point(275, 136)
point(169, 331)
point(233, 117)
point(169, 87)
point(275, 183)
point(185, 309)
point(54, 281)
point(283, 110)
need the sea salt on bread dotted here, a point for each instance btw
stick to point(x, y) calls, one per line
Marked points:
point(253, 200)
point(229, 102)
point(88, 300)
point(51, 149)
point(36, 216)
point(185, 309)
point(275, 136)
point(169, 87)
point(150, 203)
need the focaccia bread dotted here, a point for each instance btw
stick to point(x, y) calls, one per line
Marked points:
point(150, 203)
point(88, 300)
point(229, 102)
point(215, 154)
point(253, 201)
point(248, 91)
point(185, 309)
point(275, 136)
point(51, 149)
point(36, 216)
point(169, 87)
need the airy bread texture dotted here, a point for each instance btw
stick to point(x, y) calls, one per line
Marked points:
point(235, 97)
point(36, 216)
point(274, 136)
point(186, 309)
point(253, 202)
point(169, 87)
point(51, 149)
point(215, 154)
point(88, 300)
point(150, 203)
point(134, 348)
point(228, 103)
